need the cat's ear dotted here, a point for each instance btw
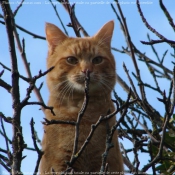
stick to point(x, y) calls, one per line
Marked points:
point(105, 33)
point(54, 36)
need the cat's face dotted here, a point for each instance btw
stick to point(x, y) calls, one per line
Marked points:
point(72, 57)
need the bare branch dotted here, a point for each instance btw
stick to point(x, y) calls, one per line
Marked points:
point(80, 115)
point(51, 122)
point(172, 43)
point(17, 131)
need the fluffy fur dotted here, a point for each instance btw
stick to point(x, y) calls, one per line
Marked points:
point(71, 57)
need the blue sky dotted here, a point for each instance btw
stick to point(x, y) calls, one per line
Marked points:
point(92, 15)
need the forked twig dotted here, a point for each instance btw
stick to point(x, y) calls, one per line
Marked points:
point(31, 88)
point(94, 126)
point(163, 39)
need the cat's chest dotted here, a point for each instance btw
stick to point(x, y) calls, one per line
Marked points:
point(70, 108)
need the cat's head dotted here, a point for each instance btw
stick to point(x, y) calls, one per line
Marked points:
point(72, 57)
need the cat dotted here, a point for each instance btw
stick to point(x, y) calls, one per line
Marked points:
point(71, 58)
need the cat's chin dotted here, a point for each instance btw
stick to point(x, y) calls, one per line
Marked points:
point(79, 87)
point(93, 88)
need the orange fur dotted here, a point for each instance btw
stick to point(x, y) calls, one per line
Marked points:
point(71, 57)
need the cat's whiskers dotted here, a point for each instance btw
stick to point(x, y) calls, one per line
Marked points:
point(70, 92)
point(62, 93)
point(101, 86)
point(56, 87)
point(78, 77)
point(112, 75)
point(107, 83)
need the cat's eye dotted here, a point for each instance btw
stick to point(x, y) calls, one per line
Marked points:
point(72, 60)
point(97, 60)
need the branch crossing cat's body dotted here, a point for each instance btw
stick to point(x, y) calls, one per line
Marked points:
point(71, 58)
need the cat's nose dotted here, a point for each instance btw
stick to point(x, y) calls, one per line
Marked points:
point(85, 71)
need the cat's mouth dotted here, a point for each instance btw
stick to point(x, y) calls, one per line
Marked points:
point(81, 80)
point(78, 82)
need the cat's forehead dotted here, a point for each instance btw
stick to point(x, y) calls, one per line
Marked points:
point(82, 46)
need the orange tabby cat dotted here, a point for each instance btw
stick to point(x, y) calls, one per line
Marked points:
point(71, 58)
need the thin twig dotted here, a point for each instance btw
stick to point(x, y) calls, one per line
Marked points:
point(131, 82)
point(22, 77)
point(26, 31)
point(40, 153)
point(5, 85)
point(57, 14)
point(41, 104)
point(19, 6)
point(41, 85)
point(5, 67)
point(170, 19)
point(3, 150)
point(5, 166)
point(152, 42)
point(5, 136)
point(125, 86)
